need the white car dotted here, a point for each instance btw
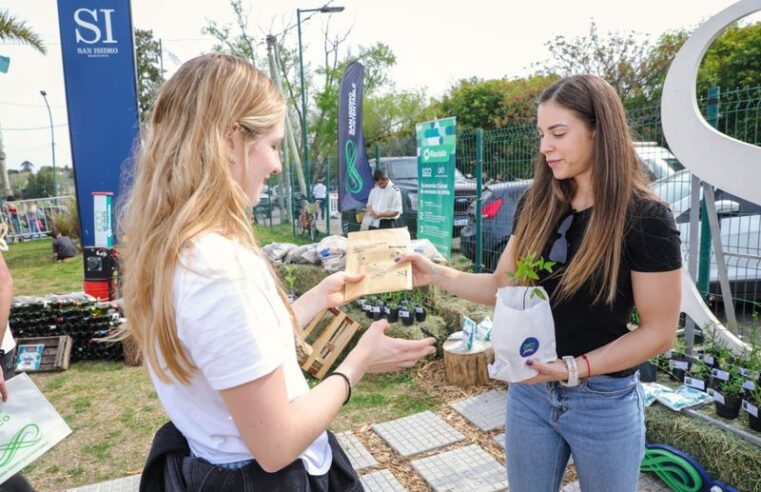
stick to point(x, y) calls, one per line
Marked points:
point(740, 226)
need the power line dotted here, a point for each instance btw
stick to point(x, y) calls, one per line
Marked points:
point(28, 105)
point(2, 129)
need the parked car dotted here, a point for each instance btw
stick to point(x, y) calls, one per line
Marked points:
point(499, 200)
point(403, 173)
point(740, 230)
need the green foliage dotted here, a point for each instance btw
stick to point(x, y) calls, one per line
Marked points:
point(733, 60)
point(733, 387)
point(289, 277)
point(149, 77)
point(40, 185)
point(528, 270)
point(699, 370)
point(12, 29)
point(67, 222)
point(493, 103)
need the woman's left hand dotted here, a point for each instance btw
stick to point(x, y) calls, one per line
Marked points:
point(331, 288)
point(548, 371)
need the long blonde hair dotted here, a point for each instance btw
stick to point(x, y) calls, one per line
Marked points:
point(617, 179)
point(183, 187)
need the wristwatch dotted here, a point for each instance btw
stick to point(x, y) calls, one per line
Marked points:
point(573, 371)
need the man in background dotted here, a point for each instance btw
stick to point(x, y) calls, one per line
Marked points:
point(384, 204)
point(320, 194)
point(63, 247)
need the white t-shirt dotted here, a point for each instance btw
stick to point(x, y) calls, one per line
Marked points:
point(385, 200)
point(319, 191)
point(235, 328)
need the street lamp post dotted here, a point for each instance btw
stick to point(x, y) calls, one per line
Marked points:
point(52, 140)
point(323, 10)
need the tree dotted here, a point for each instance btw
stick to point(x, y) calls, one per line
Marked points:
point(39, 185)
point(12, 29)
point(733, 60)
point(149, 76)
point(630, 62)
point(493, 103)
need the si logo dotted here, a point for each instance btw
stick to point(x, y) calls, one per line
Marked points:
point(529, 347)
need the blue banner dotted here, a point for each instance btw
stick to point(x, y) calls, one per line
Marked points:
point(101, 97)
point(355, 179)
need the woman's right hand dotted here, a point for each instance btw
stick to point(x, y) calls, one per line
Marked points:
point(423, 269)
point(377, 352)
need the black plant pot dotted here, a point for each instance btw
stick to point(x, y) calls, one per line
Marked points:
point(753, 421)
point(420, 314)
point(393, 315)
point(678, 373)
point(407, 318)
point(647, 372)
point(377, 314)
point(730, 409)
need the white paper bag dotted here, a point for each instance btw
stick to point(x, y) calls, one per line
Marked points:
point(523, 329)
point(29, 426)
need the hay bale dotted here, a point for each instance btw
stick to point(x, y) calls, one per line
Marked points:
point(725, 456)
point(452, 309)
point(307, 276)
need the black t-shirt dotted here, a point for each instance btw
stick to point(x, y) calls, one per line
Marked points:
point(651, 244)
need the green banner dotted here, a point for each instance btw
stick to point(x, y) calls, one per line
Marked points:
point(436, 142)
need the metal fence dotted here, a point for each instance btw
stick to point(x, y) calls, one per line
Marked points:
point(31, 219)
point(509, 153)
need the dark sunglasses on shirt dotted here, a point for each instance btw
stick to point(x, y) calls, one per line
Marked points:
point(559, 250)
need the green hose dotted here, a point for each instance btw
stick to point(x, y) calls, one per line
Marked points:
point(673, 470)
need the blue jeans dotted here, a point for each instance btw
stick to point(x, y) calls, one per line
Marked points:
point(601, 423)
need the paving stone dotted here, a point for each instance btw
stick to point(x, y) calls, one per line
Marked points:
point(486, 411)
point(417, 433)
point(381, 481)
point(500, 439)
point(646, 483)
point(128, 484)
point(358, 455)
point(462, 470)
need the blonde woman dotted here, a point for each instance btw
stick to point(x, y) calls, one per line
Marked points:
point(212, 321)
point(616, 247)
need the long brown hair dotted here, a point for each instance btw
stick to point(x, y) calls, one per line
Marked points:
point(183, 188)
point(617, 178)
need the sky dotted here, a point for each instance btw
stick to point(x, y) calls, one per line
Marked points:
point(435, 43)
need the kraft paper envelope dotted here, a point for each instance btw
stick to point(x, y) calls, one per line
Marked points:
point(373, 253)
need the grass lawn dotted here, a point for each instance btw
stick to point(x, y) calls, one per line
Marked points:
point(34, 273)
point(113, 409)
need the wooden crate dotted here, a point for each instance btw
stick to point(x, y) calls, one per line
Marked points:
point(55, 354)
point(338, 330)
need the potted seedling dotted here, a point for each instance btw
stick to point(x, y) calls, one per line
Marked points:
point(289, 277)
point(377, 310)
point(420, 313)
point(523, 324)
point(393, 311)
point(678, 361)
point(406, 314)
point(728, 397)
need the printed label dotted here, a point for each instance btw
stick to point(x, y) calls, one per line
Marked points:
point(404, 314)
point(716, 396)
point(750, 408)
point(679, 364)
point(695, 383)
point(719, 374)
point(376, 309)
point(708, 359)
point(529, 347)
point(748, 385)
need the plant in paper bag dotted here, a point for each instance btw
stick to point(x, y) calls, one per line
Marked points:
point(523, 324)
